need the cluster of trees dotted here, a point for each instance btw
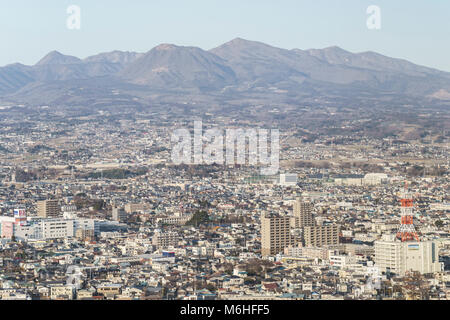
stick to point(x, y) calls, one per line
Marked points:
point(227, 268)
point(117, 173)
point(35, 174)
point(232, 218)
point(38, 148)
point(257, 267)
point(366, 167)
point(4, 150)
point(154, 150)
point(200, 217)
point(24, 176)
point(81, 201)
point(439, 224)
point(200, 170)
point(204, 203)
point(417, 171)
point(200, 285)
point(311, 164)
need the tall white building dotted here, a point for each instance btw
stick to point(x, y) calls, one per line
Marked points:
point(400, 257)
point(43, 229)
point(119, 214)
point(57, 228)
point(375, 178)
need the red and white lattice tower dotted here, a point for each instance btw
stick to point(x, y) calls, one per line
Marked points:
point(407, 231)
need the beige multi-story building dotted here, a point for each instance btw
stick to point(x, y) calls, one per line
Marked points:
point(165, 239)
point(135, 207)
point(48, 208)
point(61, 292)
point(319, 236)
point(276, 234)
point(85, 234)
point(174, 220)
point(109, 290)
point(84, 294)
point(119, 214)
point(318, 252)
point(400, 257)
point(303, 213)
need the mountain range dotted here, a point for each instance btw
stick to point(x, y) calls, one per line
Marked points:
point(239, 68)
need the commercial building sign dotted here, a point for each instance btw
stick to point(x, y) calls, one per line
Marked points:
point(19, 213)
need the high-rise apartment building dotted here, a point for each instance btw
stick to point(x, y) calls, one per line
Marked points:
point(319, 236)
point(276, 234)
point(48, 209)
point(165, 239)
point(119, 214)
point(303, 213)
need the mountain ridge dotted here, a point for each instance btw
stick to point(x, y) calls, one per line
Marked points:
point(238, 67)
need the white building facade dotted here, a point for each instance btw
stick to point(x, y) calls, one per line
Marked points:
point(400, 257)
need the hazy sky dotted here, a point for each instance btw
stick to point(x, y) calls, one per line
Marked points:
point(416, 30)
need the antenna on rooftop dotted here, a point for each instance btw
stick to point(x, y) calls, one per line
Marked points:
point(407, 231)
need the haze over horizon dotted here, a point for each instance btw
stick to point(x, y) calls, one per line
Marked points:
point(140, 26)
